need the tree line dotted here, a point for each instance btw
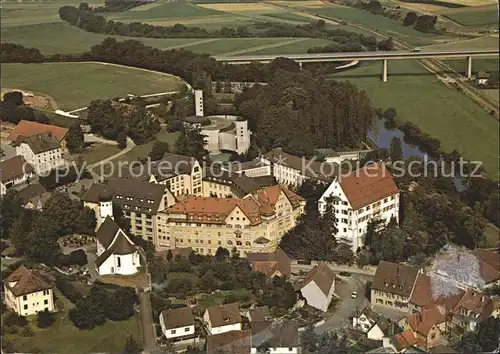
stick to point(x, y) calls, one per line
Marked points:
point(113, 5)
point(87, 19)
point(13, 110)
point(301, 112)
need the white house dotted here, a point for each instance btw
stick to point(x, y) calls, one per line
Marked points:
point(41, 151)
point(222, 318)
point(178, 323)
point(375, 326)
point(278, 337)
point(14, 171)
point(116, 252)
point(293, 170)
point(318, 287)
point(365, 194)
point(27, 292)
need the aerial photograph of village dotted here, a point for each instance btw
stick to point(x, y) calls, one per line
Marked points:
point(250, 176)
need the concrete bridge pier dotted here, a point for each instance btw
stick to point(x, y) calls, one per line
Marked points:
point(384, 71)
point(300, 65)
point(469, 67)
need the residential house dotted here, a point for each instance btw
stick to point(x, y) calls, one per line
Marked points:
point(489, 257)
point(181, 174)
point(360, 197)
point(428, 326)
point(116, 252)
point(252, 169)
point(222, 183)
point(255, 223)
point(177, 324)
point(393, 285)
point(293, 170)
point(374, 325)
point(401, 343)
point(230, 342)
point(29, 128)
point(258, 314)
point(472, 309)
point(27, 292)
point(277, 263)
point(41, 151)
point(222, 318)
point(422, 296)
point(318, 287)
point(140, 201)
point(14, 171)
point(278, 337)
point(34, 196)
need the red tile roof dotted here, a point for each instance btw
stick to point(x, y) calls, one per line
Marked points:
point(28, 128)
point(26, 282)
point(14, 168)
point(269, 263)
point(232, 342)
point(322, 275)
point(368, 185)
point(423, 321)
point(404, 340)
point(487, 256)
point(216, 210)
point(422, 295)
point(478, 303)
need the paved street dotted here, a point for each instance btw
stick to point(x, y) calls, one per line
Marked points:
point(147, 326)
point(348, 307)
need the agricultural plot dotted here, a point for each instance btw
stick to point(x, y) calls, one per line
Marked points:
point(419, 97)
point(74, 85)
point(221, 46)
point(485, 42)
point(474, 16)
point(300, 46)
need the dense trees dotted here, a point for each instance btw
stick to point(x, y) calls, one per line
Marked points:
point(191, 143)
point(396, 149)
point(13, 109)
point(425, 23)
point(110, 119)
point(17, 53)
point(317, 113)
point(103, 302)
point(484, 340)
point(158, 150)
point(131, 346)
point(410, 19)
point(74, 139)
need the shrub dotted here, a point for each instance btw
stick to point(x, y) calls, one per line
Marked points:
point(44, 319)
point(78, 257)
point(410, 19)
point(27, 332)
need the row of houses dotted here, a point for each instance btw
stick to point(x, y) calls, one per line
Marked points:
point(39, 149)
point(224, 330)
point(431, 312)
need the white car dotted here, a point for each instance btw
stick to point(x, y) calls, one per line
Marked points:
point(354, 295)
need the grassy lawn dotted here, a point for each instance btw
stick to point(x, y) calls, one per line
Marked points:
point(62, 337)
point(444, 113)
point(493, 93)
point(477, 64)
point(98, 152)
point(475, 16)
point(74, 85)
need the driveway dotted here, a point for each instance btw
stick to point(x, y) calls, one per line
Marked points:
point(147, 325)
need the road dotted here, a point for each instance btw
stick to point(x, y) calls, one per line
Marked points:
point(349, 306)
point(147, 324)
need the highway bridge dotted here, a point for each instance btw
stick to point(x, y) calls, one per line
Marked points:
point(366, 56)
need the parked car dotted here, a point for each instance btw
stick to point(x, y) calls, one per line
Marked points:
point(345, 274)
point(354, 295)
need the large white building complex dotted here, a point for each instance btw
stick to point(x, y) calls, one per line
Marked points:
point(222, 132)
point(41, 151)
point(366, 194)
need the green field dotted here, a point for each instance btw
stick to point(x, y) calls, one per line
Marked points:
point(493, 93)
point(221, 46)
point(169, 10)
point(298, 47)
point(444, 113)
point(384, 24)
point(74, 85)
point(476, 16)
point(64, 338)
point(490, 42)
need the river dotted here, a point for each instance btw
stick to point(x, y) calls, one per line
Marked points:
point(381, 135)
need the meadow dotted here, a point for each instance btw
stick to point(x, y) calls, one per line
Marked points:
point(74, 85)
point(442, 112)
point(474, 16)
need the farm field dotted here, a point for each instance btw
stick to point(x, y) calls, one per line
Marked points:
point(474, 16)
point(297, 47)
point(74, 85)
point(490, 42)
point(493, 93)
point(419, 97)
